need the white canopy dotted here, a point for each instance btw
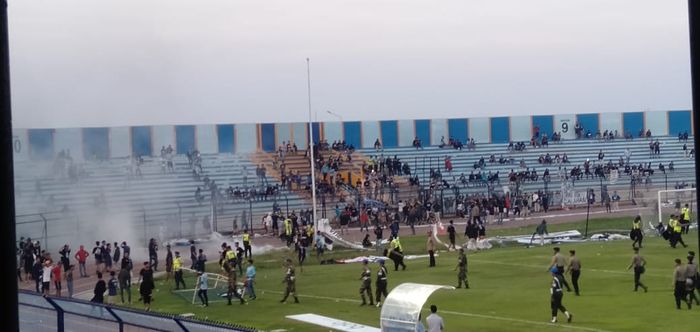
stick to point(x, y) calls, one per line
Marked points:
point(401, 309)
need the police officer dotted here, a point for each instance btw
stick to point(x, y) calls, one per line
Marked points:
point(679, 284)
point(575, 270)
point(638, 262)
point(636, 234)
point(290, 280)
point(685, 219)
point(246, 245)
point(230, 268)
point(381, 283)
point(288, 230)
point(691, 274)
point(676, 231)
point(559, 262)
point(396, 254)
point(557, 296)
point(366, 285)
point(462, 266)
point(177, 268)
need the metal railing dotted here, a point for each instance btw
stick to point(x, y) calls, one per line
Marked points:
point(39, 313)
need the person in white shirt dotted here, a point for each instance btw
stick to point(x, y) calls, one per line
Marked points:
point(435, 323)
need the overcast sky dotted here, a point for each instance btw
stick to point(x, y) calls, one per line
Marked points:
point(78, 63)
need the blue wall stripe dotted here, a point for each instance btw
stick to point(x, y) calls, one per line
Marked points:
point(184, 139)
point(96, 143)
point(41, 143)
point(317, 134)
point(423, 131)
point(267, 133)
point(352, 133)
point(632, 123)
point(226, 138)
point(545, 123)
point(458, 129)
point(141, 141)
point(589, 122)
point(390, 133)
point(679, 122)
point(500, 130)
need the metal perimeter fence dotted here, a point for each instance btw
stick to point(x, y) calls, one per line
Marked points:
point(39, 313)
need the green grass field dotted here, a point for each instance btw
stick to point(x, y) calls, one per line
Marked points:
point(509, 289)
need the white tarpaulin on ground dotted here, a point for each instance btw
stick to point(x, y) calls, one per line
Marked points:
point(401, 309)
point(332, 323)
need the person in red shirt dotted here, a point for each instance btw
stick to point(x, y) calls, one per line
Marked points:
point(364, 220)
point(82, 256)
point(56, 276)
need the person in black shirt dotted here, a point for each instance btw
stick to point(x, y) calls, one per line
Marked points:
point(117, 253)
point(100, 289)
point(147, 285)
point(65, 252)
point(557, 296)
point(378, 235)
point(97, 253)
point(451, 232)
point(381, 283)
point(125, 277)
point(193, 255)
point(153, 254)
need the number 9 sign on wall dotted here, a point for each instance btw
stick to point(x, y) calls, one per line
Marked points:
point(564, 124)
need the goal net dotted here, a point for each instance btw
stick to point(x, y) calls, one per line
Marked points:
point(672, 201)
point(217, 287)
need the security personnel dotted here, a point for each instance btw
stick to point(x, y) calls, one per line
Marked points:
point(575, 270)
point(557, 296)
point(381, 283)
point(636, 234)
point(246, 245)
point(462, 266)
point(685, 218)
point(396, 254)
point(288, 230)
point(638, 262)
point(676, 232)
point(290, 280)
point(679, 284)
point(230, 268)
point(366, 285)
point(559, 262)
point(177, 267)
point(230, 257)
point(691, 274)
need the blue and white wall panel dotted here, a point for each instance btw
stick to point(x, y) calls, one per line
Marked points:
point(119, 142)
point(520, 128)
point(545, 123)
point(333, 131)
point(406, 132)
point(246, 137)
point(390, 133)
point(657, 122)
point(480, 129)
point(370, 133)
point(500, 129)
point(352, 133)
point(611, 121)
point(20, 145)
point(438, 129)
point(162, 137)
point(206, 138)
point(564, 124)
point(423, 131)
point(69, 139)
point(632, 122)
point(680, 122)
point(284, 133)
point(589, 121)
point(300, 134)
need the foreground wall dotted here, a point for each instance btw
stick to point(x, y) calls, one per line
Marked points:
point(116, 142)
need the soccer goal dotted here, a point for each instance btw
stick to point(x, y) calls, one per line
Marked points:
point(672, 201)
point(217, 286)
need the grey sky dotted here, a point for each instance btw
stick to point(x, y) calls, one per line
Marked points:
point(79, 63)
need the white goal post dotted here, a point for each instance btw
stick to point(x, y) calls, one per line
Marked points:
point(674, 200)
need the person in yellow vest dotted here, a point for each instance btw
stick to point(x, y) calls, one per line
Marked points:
point(676, 230)
point(288, 231)
point(231, 258)
point(395, 253)
point(636, 234)
point(685, 219)
point(177, 268)
point(248, 250)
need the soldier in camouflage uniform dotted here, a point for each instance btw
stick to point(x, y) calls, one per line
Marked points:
point(290, 279)
point(462, 266)
point(366, 286)
point(230, 268)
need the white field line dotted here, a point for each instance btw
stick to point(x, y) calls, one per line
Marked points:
point(543, 267)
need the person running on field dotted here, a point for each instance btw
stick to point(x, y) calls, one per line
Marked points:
point(541, 231)
point(290, 280)
point(168, 263)
point(177, 267)
point(381, 283)
point(679, 289)
point(451, 231)
point(250, 274)
point(462, 266)
point(574, 269)
point(559, 262)
point(557, 295)
point(638, 263)
point(230, 268)
point(366, 285)
point(203, 281)
point(637, 235)
point(691, 277)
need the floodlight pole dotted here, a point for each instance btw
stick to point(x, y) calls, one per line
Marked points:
point(694, 23)
point(312, 159)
